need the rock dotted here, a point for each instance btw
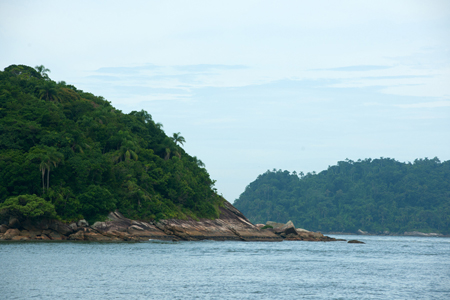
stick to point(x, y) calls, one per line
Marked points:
point(13, 222)
point(44, 237)
point(286, 229)
point(316, 234)
point(77, 236)
point(73, 226)
point(100, 226)
point(82, 223)
point(355, 242)
point(3, 228)
point(135, 227)
point(95, 237)
point(34, 233)
point(19, 238)
point(10, 233)
point(25, 233)
point(362, 232)
point(56, 236)
point(60, 227)
point(35, 224)
point(274, 224)
point(260, 225)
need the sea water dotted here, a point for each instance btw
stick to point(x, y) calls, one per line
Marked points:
point(382, 268)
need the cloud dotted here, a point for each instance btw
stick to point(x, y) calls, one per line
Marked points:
point(434, 104)
point(209, 67)
point(361, 68)
point(396, 77)
point(127, 70)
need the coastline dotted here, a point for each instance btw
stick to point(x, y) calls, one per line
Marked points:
point(232, 225)
point(415, 234)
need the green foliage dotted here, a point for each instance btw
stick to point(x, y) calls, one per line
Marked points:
point(28, 206)
point(266, 226)
point(86, 158)
point(373, 195)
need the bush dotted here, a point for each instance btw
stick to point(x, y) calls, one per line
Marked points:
point(28, 206)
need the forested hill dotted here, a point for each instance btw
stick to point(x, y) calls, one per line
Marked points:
point(373, 195)
point(68, 154)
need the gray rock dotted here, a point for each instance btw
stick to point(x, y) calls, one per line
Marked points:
point(286, 229)
point(60, 227)
point(73, 226)
point(83, 223)
point(135, 227)
point(100, 226)
point(355, 242)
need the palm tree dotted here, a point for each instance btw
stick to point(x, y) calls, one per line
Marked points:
point(177, 138)
point(43, 71)
point(49, 158)
point(43, 166)
point(53, 159)
point(48, 91)
point(127, 148)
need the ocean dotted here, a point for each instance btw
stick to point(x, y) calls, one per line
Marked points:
point(385, 267)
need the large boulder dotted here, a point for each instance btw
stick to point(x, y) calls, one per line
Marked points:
point(56, 236)
point(10, 233)
point(60, 227)
point(286, 229)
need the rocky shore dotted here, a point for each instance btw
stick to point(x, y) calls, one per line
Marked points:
point(289, 232)
point(232, 225)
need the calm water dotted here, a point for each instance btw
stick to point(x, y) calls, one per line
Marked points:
point(383, 268)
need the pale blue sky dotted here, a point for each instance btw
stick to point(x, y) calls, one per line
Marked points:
point(255, 85)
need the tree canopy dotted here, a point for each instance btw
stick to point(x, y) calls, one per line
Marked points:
point(376, 195)
point(83, 156)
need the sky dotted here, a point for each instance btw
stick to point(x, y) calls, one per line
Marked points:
point(255, 85)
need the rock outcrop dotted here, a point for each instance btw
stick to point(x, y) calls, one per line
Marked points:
point(355, 242)
point(231, 225)
point(289, 232)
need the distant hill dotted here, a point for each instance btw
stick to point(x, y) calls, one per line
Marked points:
point(83, 158)
point(372, 195)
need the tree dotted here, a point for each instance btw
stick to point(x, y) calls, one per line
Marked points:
point(127, 148)
point(49, 158)
point(48, 90)
point(43, 71)
point(177, 138)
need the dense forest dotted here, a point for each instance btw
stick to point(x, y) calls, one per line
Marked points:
point(67, 154)
point(379, 195)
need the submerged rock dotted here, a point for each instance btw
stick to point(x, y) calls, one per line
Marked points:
point(355, 242)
